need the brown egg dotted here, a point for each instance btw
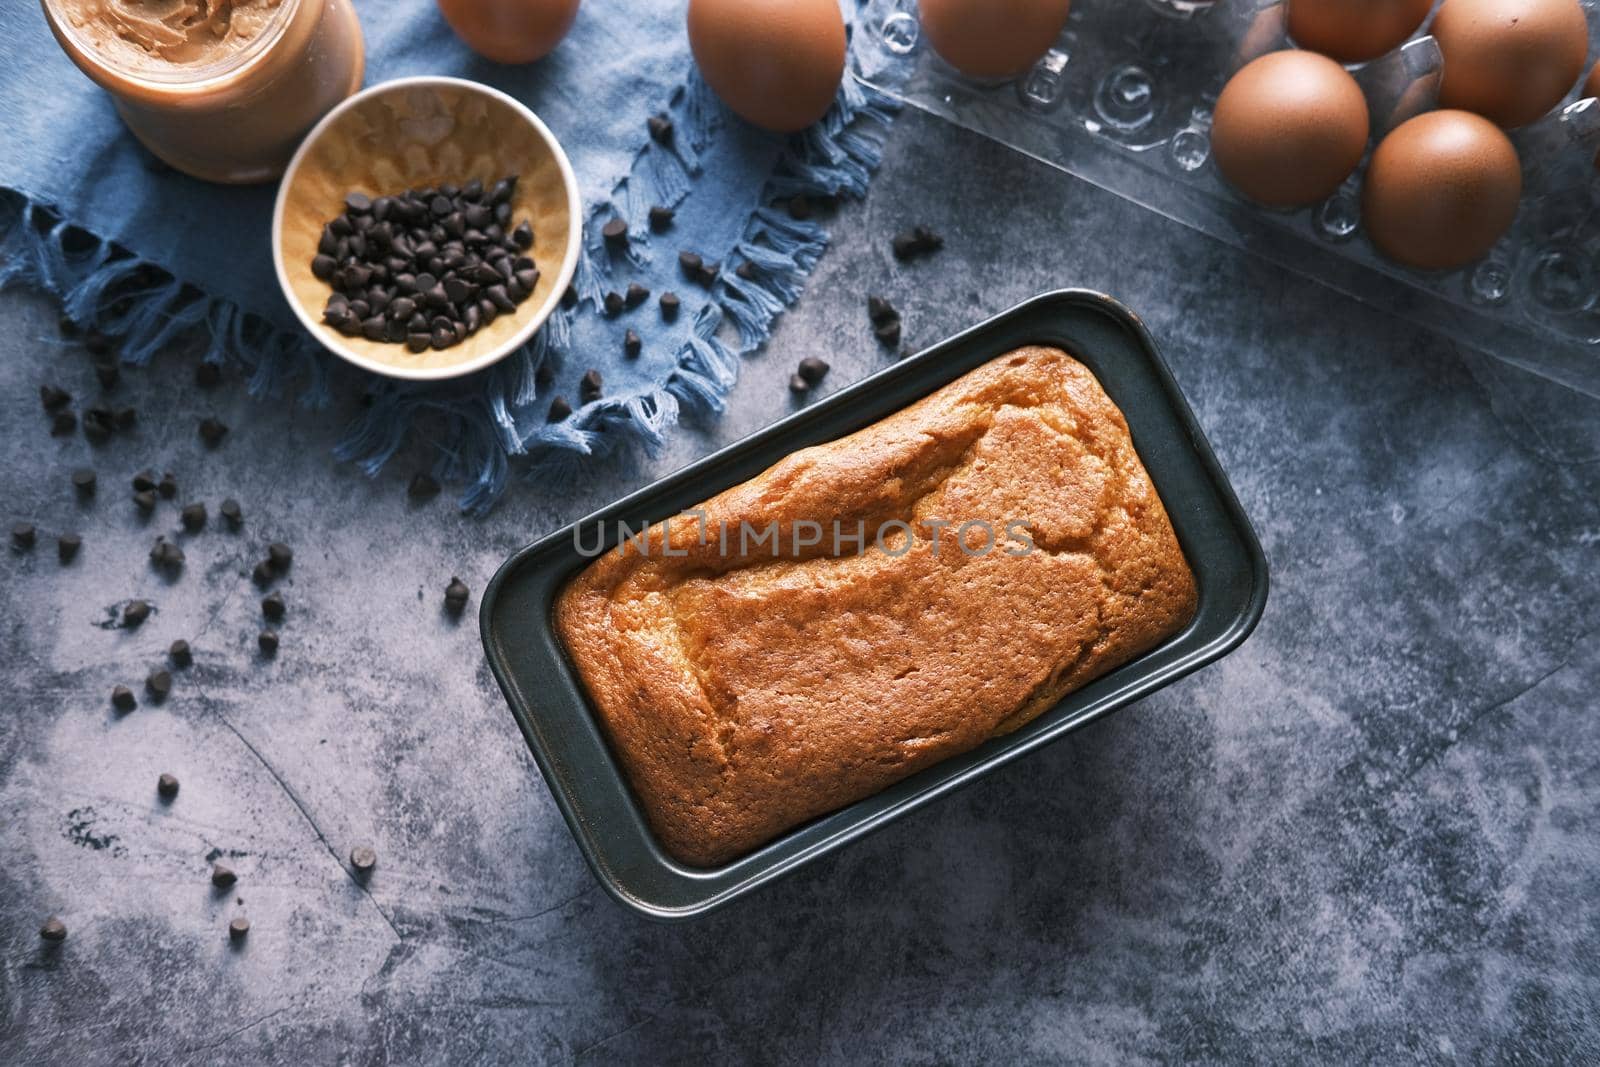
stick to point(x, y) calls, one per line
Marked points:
point(1441, 190)
point(1288, 128)
point(993, 38)
point(510, 31)
point(1354, 31)
point(776, 63)
point(1510, 60)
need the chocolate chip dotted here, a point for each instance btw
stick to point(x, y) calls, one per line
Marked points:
point(669, 306)
point(559, 409)
point(83, 480)
point(631, 345)
point(53, 930)
point(813, 370)
point(168, 486)
point(569, 298)
point(528, 279)
point(590, 386)
point(323, 266)
point(135, 612)
point(108, 373)
point(180, 653)
point(63, 424)
point(23, 535)
point(660, 127)
point(273, 607)
point(166, 554)
point(158, 685)
point(67, 546)
point(708, 274)
point(418, 342)
point(232, 512)
point(193, 517)
point(212, 431)
point(126, 418)
point(54, 398)
point(267, 641)
point(146, 500)
point(223, 877)
point(888, 334)
point(637, 294)
point(798, 385)
point(615, 231)
point(799, 208)
point(456, 595)
point(424, 486)
point(917, 241)
point(207, 374)
point(499, 298)
point(97, 343)
point(167, 786)
point(691, 264)
point(264, 573)
point(359, 203)
point(122, 698)
point(238, 928)
point(615, 303)
point(661, 218)
point(880, 310)
point(97, 425)
point(363, 859)
point(522, 236)
point(280, 555)
point(544, 373)
point(746, 270)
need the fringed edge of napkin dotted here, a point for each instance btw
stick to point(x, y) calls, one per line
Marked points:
point(477, 424)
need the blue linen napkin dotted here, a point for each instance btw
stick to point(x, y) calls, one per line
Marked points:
point(147, 254)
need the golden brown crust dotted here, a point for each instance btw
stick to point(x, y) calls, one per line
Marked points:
point(746, 693)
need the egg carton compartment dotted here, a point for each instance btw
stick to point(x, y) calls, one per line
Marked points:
point(1124, 100)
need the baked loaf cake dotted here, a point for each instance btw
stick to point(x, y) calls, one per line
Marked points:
point(748, 687)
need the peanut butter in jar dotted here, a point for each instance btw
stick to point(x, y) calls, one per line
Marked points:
point(220, 89)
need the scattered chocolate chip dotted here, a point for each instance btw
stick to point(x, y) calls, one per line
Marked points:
point(97, 343)
point(146, 500)
point(63, 424)
point(669, 306)
point(238, 928)
point(67, 546)
point(145, 479)
point(53, 930)
point(222, 877)
point(109, 374)
point(363, 859)
point(207, 374)
point(127, 418)
point(636, 295)
point(569, 298)
point(456, 595)
point(708, 274)
point(122, 698)
point(232, 512)
point(917, 241)
point(267, 641)
point(23, 535)
point(615, 231)
point(799, 208)
point(280, 555)
point(264, 572)
point(544, 373)
point(273, 607)
point(881, 311)
point(661, 218)
point(559, 409)
point(68, 328)
point(54, 398)
point(888, 334)
point(179, 653)
point(212, 431)
point(83, 480)
point(98, 424)
point(798, 385)
point(615, 303)
point(660, 127)
point(167, 786)
point(135, 612)
point(166, 554)
point(813, 370)
point(158, 685)
point(590, 386)
point(193, 517)
point(631, 345)
point(691, 264)
point(168, 486)
point(746, 270)
point(424, 486)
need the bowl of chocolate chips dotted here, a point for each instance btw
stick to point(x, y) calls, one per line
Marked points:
point(426, 228)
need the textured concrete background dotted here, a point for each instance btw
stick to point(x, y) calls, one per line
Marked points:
point(1369, 835)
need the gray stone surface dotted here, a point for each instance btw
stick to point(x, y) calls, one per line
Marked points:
point(1369, 835)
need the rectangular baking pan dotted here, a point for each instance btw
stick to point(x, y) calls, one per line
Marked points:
point(551, 707)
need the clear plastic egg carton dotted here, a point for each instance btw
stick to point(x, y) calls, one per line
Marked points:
point(1124, 100)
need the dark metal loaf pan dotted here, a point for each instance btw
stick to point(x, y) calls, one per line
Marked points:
point(550, 704)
